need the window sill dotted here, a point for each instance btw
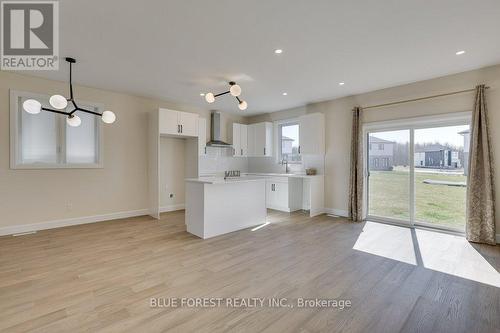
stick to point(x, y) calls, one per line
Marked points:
point(55, 166)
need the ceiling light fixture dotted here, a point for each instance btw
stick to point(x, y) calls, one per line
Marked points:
point(460, 52)
point(341, 83)
point(234, 90)
point(278, 51)
point(202, 94)
point(285, 94)
point(60, 102)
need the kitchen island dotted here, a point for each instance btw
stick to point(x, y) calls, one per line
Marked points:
point(216, 206)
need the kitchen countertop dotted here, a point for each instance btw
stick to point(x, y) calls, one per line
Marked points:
point(221, 180)
point(291, 175)
point(246, 177)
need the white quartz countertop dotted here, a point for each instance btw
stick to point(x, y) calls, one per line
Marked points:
point(247, 177)
point(291, 175)
point(221, 180)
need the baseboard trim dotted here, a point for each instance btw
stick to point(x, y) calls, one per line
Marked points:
point(171, 208)
point(27, 228)
point(337, 212)
point(279, 208)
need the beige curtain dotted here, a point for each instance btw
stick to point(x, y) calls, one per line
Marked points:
point(356, 175)
point(480, 226)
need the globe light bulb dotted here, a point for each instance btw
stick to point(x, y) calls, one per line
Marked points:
point(235, 90)
point(32, 106)
point(210, 98)
point(243, 105)
point(58, 102)
point(108, 117)
point(74, 121)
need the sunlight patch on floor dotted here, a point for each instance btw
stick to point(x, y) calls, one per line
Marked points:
point(399, 245)
point(437, 251)
point(261, 226)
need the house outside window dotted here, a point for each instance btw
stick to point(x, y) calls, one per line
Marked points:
point(288, 142)
point(381, 154)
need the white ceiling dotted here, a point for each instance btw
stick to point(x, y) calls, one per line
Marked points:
point(174, 50)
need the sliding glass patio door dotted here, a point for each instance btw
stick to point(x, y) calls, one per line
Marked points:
point(389, 175)
point(441, 162)
point(416, 171)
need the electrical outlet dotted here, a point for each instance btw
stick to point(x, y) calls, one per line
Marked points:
point(171, 195)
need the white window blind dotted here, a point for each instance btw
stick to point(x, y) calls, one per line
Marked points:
point(38, 141)
point(81, 141)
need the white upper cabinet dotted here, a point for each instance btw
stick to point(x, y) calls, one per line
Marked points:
point(202, 136)
point(169, 122)
point(239, 139)
point(260, 139)
point(178, 123)
point(189, 123)
point(243, 140)
point(236, 134)
point(312, 134)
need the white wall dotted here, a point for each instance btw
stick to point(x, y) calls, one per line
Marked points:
point(172, 171)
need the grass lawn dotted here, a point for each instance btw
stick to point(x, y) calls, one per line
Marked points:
point(437, 204)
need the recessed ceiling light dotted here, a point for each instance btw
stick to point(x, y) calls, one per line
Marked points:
point(278, 51)
point(460, 52)
point(285, 93)
point(341, 83)
point(202, 94)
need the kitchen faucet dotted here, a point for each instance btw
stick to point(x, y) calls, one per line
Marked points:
point(285, 162)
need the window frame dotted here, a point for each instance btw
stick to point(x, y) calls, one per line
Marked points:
point(411, 124)
point(278, 125)
point(16, 163)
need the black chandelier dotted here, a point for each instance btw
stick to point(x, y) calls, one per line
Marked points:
point(60, 102)
point(234, 90)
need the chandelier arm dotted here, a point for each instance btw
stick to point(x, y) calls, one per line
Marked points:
point(71, 82)
point(239, 100)
point(88, 111)
point(224, 93)
point(55, 111)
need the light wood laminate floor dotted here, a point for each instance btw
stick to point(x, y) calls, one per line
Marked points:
point(100, 278)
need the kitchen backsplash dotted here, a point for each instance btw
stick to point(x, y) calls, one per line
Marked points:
point(269, 165)
point(219, 160)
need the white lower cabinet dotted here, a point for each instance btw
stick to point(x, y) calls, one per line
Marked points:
point(284, 194)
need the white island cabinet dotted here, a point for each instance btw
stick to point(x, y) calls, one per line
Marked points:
point(215, 206)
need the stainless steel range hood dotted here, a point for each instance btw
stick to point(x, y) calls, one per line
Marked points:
point(215, 136)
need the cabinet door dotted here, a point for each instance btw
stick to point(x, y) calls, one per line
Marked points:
point(237, 139)
point(270, 194)
point(312, 134)
point(281, 194)
point(202, 136)
point(251, 151)
point(268, 151)
point(260, 139)
point(244, 139)
point(189, 123)
point(169, 122)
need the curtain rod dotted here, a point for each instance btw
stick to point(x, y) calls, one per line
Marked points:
point(419, 99)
